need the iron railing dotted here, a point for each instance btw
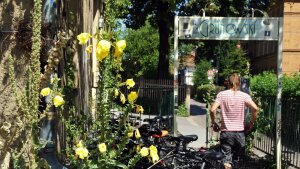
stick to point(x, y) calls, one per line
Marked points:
point(290, 128)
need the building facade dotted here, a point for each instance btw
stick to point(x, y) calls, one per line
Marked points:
point(263, 54)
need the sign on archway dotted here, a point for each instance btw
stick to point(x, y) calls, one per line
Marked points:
point(227, 28)
point(232, 28)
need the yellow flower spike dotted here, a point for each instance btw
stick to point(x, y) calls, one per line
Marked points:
point(89, 49)
point(81, 152)
point(137, 133)
point(130, 134)
point(122, 98)
point(102, 147)
point(132, 96)
point(58, 101)
point(103, 48)
point(129, 83)
point(116, 92)
point(144, 152)
point(45, 92)
point(119, 48)
point(79, 144)
point(83, 38)
point(139, 109)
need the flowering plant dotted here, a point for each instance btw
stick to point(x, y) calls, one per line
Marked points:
point(103, 142)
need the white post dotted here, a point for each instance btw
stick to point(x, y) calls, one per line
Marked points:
point(176, 64)
point(279, 93)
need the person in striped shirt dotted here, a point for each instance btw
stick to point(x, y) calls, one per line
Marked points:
point(233, 104)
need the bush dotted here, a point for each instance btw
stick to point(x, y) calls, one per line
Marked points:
point(205, 93)
point(266, 84)
point(182, 110)
point(200, 74)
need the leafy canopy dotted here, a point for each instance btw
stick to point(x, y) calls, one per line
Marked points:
point(142, 52)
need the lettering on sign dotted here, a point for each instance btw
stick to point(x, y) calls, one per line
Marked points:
point(221, 28)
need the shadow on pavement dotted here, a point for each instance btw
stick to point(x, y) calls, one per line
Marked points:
point(197, 110)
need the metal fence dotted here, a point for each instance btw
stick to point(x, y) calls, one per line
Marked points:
point(290, 130)
point(157, 95)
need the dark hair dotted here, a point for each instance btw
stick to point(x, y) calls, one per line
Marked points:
point(234, 81)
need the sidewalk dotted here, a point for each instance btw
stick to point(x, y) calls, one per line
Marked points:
point(194, 124)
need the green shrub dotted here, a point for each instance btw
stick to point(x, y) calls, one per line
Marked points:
point(200, 74)
point(182, 110)
point(205, 93)
point(266, 84)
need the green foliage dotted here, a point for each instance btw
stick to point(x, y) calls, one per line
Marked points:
point(234, 61)
point(161, 15)
point(142, 52)
point(226, 57)
point(114, 9)
point(266, 84)
point(291, 85)
point(86, 133)
point(206, 93)
point(200, 74)
point(182, 111)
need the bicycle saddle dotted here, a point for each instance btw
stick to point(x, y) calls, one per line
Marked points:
point(188, 138)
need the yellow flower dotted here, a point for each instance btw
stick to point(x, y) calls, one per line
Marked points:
point(81, 152)
point(137, 133)
point(130, 83)
point(155, 158)
point(118, 53)
point(79, 144)
point(120, 46)
point(153, 149)
point(83, 38)
point(122, 98)
point(58, 101)
point(102, 147)
point(89, 49)
point(130, 134)
point(139, 109)
point(132, 96)
point(103, 48)
point(116, 92)
point(45, 92)
point(153, 153)
point(144, 152)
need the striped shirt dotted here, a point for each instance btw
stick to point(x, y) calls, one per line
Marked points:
point(233, 106)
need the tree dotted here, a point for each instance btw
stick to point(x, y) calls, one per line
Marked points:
point(200, 74)
point(234, 60)
point(142, 52)
point(161, 13)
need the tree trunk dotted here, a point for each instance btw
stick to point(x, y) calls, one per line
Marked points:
point(164, 47)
